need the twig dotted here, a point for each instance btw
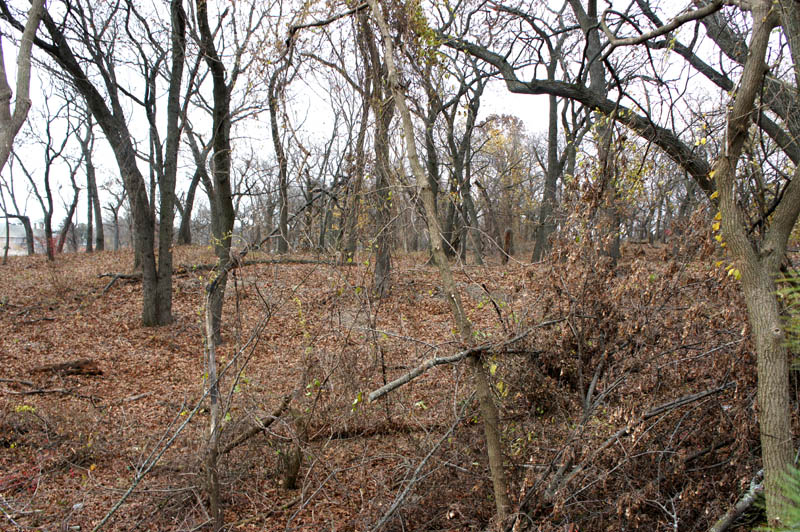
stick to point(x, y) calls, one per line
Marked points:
point(154, 457)
point(422, 368)
point(413, 480)
point(130, 399)
point(437, 361)
point(261, 425)
point(17, 381)
point(562, 478)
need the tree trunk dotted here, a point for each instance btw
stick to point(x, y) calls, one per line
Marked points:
point(546, 224)
point(26, 223)
point(483, 390)
point(91, 187)
point(383, 106)
point(113, 123)
point(758, 270)
point(280, 155)
point(356, 180)
point(221, 142)
point(65, 227)
point(8, 237)
point(185, 229)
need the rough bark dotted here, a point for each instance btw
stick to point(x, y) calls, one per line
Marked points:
point(758, 269)
point(546, 224)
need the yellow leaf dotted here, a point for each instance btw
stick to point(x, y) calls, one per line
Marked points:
point(711, 174)
point(492, 369)
point(718, 216)
point(715, 194)
point(715, 226)
point(718, 263)
point(718, 238)
point(92, 467)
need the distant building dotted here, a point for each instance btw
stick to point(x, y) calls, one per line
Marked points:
point(16, 238)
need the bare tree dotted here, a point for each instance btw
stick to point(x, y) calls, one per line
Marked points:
point(10, 123)
point(96, 30)
point(94, 211)
point(54, 151)
point(18, 214)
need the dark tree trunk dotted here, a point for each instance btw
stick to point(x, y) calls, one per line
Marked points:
point(546, 224)
point(114, 125)
point(383, 109)
point(185, 230)
point(356, 179)
point(221, 143)
point(280, 154)
point(100, 235)
point(65, 227)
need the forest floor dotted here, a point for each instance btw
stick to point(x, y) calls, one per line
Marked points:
point(88, 396)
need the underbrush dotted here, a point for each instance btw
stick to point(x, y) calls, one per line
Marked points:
point(627, 402)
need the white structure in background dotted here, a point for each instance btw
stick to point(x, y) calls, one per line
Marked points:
point(16, 238)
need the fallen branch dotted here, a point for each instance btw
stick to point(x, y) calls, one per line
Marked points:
point(261, 425)
point(188, 268)
point(743, 504)
point(83, 366)
point(18, 381)
point(438, 361)
point(37, 320)
point(43, 391)
point(130, 399)
point(116, 278)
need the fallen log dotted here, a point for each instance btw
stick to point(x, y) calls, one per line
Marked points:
point(189, 268)
point(83, 366)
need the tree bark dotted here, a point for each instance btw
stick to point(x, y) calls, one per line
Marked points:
point(546, 225)
point(383, 107)
point(758, 270)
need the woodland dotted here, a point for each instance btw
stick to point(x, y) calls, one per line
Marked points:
point(304, 281)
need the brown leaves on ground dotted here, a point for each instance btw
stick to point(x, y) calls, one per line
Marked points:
point(647, 333)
